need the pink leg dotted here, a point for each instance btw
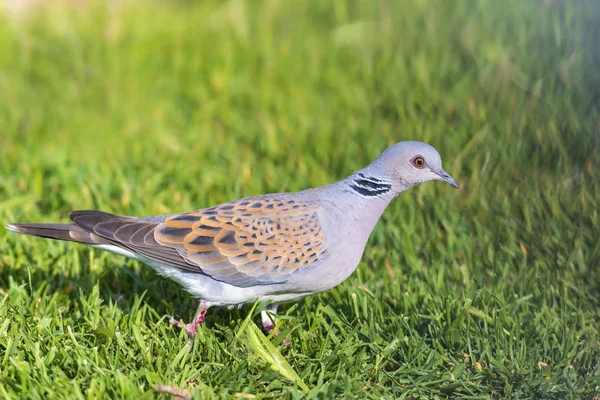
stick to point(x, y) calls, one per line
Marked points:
point(192, 327)
point(268, 320)
point(268, 324)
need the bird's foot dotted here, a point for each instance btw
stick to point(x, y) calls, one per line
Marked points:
point(192, 327)
point(269, 326)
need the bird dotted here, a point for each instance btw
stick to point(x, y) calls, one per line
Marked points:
point(273, 248)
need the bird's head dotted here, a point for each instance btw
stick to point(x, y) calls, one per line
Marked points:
point(407, 164)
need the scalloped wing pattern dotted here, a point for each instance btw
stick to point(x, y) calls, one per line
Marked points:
point(248, 241)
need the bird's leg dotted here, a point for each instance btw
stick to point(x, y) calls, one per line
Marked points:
point(268, 322)
point(192, 327)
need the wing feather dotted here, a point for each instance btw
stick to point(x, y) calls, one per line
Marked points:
point(250, 241)
point(129, 233)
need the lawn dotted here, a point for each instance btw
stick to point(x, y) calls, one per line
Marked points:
point(142, 108)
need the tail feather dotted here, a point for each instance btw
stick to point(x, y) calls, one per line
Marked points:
point(128, 236)
point(89, 219)
point(68, 232)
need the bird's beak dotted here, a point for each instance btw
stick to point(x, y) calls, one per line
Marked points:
point(444, 176)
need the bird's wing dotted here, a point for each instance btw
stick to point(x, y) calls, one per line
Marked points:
point(247, 242)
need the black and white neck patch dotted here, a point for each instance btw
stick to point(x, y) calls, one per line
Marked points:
point(369, 186)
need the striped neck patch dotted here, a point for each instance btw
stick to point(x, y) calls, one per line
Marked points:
point(369, 186)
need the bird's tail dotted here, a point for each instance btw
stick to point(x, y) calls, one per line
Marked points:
point(68, 232)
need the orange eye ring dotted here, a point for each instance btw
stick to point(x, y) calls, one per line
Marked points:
point(419, 162)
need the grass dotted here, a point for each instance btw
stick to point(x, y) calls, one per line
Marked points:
point(149, 108)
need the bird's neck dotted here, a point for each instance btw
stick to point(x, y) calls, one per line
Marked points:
point(371, 183)
point(370, 196)
point(360, 200)
point(368, 186)
point(367, 193)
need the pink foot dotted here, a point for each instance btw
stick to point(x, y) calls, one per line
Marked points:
point(192, 327)
point(269, 326)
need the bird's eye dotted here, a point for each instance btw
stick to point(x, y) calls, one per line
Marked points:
point(419, 162)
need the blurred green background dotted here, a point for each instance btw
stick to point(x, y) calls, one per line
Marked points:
point(157, 107)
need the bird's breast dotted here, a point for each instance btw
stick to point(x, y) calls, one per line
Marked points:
point(346, 228)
